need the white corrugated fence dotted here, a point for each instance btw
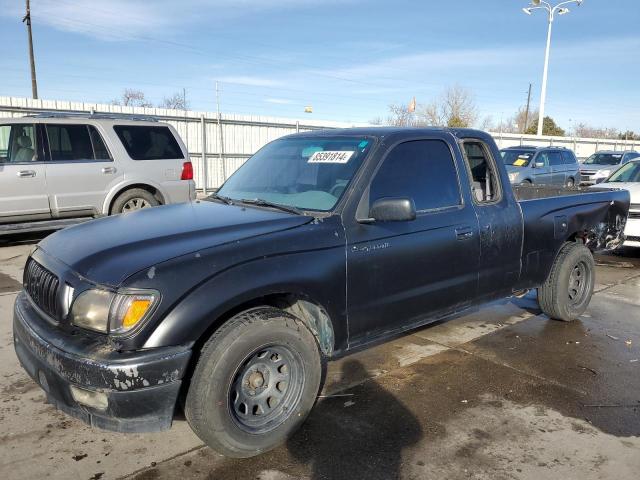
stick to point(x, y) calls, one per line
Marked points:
point(231, 139)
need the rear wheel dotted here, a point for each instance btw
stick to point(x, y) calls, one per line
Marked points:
point(132, 200)
point(568, 289)
point(255, 383)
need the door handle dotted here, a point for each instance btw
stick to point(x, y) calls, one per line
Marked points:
point(462, 233)
point(108, 170)
point(26, 173)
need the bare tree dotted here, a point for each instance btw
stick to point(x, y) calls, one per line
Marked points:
point(402, 116)
point(586, 131)
point(177, 101)
point(456, 107)
point(132, 98)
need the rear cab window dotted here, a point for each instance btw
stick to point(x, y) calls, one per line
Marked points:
point(149, 142)
point(483, 172)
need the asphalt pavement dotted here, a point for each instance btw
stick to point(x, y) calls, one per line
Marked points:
point(500, 393)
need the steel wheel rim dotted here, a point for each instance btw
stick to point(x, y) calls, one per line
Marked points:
point(579, 280)
point(136, 203)
point(266, 389)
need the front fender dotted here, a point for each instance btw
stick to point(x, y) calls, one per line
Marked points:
point(317, 275)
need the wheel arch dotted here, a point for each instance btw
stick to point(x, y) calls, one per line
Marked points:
point(303, 307)
point(150, 187)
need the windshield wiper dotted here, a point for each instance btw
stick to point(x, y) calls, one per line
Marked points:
point(223, 199)
point(265, 203)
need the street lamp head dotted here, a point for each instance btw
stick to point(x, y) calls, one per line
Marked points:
point(527, 10)
point(535, 3)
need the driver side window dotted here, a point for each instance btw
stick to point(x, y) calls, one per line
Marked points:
point(422, 170)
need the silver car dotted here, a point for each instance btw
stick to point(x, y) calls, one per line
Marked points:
point(55, 168)
point(541, 165)
point(600, 165)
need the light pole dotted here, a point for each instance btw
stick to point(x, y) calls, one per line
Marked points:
point(558, 9)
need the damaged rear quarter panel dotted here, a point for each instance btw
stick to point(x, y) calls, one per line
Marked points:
point(598, 217)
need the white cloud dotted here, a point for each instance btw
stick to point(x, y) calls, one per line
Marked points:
point(130, 19)
point(279, 101)
point(251, 81)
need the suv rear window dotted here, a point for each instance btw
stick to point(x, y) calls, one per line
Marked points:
point(149, 143)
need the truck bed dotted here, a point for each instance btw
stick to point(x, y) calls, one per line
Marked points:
point(597, 216)
point(537, 192)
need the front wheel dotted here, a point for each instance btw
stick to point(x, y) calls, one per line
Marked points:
point(255, 383)
point(567, 292)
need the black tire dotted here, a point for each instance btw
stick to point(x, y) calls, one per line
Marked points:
point(232, 366)
point(129, 197)
point(568, 289)
point(526, 182)
point(570, 183)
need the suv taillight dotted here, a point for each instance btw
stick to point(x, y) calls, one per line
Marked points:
point(187, 171)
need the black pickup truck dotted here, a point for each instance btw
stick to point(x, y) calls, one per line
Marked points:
point(321, 243)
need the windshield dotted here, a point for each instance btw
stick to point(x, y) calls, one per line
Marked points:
point(517, 158)
point(604, 159)
point(629, 173)
point(306, 173)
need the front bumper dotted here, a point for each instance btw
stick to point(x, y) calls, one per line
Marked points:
point(632, 231)
point(141, 386)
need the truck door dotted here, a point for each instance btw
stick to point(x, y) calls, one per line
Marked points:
point(399, 273)
point(80, 169)
point(499, 221)
point(23, 187)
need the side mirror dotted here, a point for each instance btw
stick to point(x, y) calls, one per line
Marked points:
point(391, 210)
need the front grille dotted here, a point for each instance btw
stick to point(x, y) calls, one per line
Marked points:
point(634, 214)
point(632, 239)
point(587, 172)
point(634, 206)
point(42, 286)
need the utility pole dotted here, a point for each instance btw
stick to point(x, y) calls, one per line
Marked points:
point(34, 83)
point(221, 150)
point(526, 113)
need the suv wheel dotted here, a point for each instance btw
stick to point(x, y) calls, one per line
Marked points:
point(255, 382)
point(132, 200)
point(568, 289)
point(570, 183)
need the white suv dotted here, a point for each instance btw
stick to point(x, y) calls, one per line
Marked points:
point(55, 168)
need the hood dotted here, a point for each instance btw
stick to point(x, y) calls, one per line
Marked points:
point(632, 187)
point(110, 249)
point(597, 167)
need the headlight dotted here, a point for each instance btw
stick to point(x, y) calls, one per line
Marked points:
point(105, 311)
point(602, 174)
point(513, 176)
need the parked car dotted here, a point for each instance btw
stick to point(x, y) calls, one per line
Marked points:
point(55, 169)
point(541, 165)
point(628, 177)
point(601, 164)
point(320, 244)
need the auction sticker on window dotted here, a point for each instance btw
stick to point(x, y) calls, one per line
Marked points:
point(329, 156)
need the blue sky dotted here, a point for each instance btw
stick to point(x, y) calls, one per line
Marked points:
point(348, 59)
